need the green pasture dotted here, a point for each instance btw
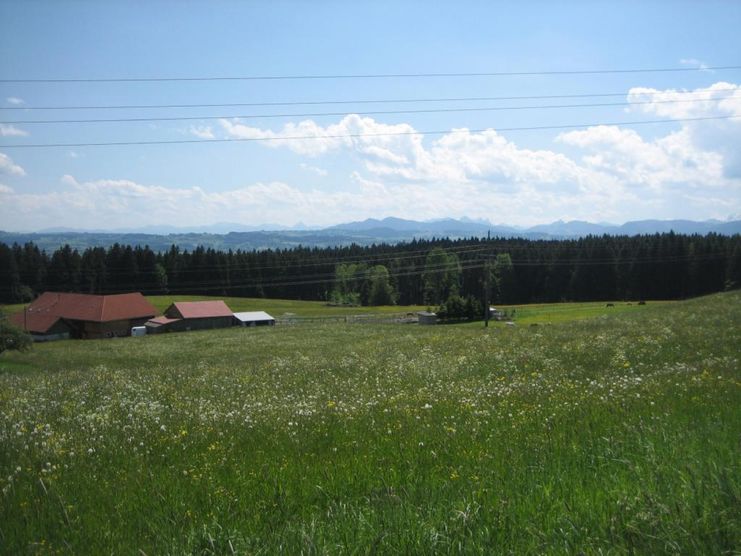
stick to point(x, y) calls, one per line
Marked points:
point(612, 431)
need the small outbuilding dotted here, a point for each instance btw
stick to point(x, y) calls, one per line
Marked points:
point(192, 315)
point(425, 317)
point(254, 318)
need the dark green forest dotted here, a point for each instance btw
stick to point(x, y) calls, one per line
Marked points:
point(659, 266)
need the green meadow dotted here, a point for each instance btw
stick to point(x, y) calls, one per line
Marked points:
point(600, 431)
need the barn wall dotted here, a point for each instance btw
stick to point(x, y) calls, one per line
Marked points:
point(118, 328)
point(194, 324)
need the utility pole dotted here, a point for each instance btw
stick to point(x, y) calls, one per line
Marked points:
point(487, 272)
point(486, 295)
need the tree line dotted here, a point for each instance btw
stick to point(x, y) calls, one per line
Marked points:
point(419, 272)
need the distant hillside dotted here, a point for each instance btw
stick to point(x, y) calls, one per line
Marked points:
point(366, 232)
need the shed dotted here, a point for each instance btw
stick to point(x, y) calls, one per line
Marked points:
point(195, 315)
point(425, 317)
point(254, 318)
point(162, 324)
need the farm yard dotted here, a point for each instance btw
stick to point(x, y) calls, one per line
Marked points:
point(614, 430)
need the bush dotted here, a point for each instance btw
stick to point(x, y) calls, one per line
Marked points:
point(460, 308)
point(12, 337)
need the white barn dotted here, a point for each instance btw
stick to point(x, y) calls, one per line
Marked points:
point(254, 318)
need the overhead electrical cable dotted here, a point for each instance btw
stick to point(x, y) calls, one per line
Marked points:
point(364, 76)
point(356, 135)
point(325, 102)
point(368, 113)
point(324, 278)
point(483, 246)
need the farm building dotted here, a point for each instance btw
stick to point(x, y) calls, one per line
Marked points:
point(254, 318)
point(63, 315)
point(425, 317)
point(192, 315)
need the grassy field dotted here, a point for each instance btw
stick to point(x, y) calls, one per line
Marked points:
point(615, 434)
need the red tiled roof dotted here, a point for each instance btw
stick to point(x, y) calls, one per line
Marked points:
point(84, 307)
point(161, 320)
point(34, 322)
point(200, 309)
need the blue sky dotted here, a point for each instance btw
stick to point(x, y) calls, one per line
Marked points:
point(595, 173)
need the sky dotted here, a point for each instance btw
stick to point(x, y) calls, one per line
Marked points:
point(428, 151)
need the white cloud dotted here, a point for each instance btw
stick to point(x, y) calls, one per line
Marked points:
point(721, 136)
point(202, 132)
point(668, 161)
point(351, 132)
point(12, 131)
point(618, 175)
point(720, 99)
point(6, 189)
point(611, 174)
point(14, 100)
point(7, 166)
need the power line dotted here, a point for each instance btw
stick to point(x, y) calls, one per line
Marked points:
point(366, 75)
point(330, 278)
point(368, 113)
point(324, 102)
point(357, 135)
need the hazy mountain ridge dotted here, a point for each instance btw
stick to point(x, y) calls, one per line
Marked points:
point(366, 232)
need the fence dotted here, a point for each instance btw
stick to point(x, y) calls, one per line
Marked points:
point(397, 318)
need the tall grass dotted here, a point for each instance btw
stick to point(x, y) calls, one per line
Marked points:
point(618, 434)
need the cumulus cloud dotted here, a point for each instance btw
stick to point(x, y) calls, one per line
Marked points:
point(14, 100)
point(7, 166)
point(721, 136)
point(668, 161)
point(398, 151)
point(617, 167)
point(610, 173)
point(352, 132)
point(720, 99)
point(7, 130)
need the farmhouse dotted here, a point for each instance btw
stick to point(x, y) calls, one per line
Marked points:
point(192, 315)
point(63, 315)
point(254, 318)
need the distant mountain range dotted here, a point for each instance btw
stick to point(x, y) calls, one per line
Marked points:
point(389, 230)
point(558, 229)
